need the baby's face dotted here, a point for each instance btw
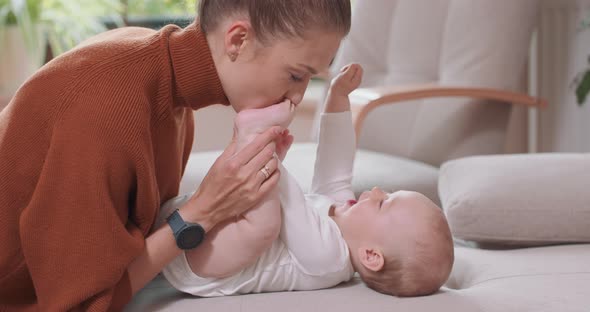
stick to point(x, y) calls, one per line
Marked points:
point(379, 216)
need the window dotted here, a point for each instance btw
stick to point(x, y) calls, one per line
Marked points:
point(157, 13)
point(175, 8)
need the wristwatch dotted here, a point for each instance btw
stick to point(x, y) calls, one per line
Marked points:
point(188, 235)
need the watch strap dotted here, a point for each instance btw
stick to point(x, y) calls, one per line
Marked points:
point(176, 222)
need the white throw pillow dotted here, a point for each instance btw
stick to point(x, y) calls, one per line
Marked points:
point(530, 199)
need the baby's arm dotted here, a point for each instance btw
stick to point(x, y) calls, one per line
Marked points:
point(236, 244)
point(342, 85)
point(312, 239)
point(336, 147)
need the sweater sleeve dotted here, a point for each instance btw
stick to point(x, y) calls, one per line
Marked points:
point(75, 234)
point(335, 157)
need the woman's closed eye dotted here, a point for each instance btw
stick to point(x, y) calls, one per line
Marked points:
point(296, 78)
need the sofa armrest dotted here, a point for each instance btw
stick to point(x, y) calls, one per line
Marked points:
point(364, 100)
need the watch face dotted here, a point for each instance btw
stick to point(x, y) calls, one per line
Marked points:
point(191, 237)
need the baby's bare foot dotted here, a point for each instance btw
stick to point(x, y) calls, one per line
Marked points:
point(347, 80)
point(251, 122)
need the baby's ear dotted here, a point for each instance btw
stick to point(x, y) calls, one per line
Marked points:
point(371, 258)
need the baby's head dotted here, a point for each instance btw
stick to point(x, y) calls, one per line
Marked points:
point(400, 243)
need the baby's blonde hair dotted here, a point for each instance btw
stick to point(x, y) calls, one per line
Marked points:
point(422, 273)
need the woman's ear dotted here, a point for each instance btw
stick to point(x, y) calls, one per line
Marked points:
point(371, 258)
point(238, 33)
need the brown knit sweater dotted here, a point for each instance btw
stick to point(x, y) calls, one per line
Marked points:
point(90, 147)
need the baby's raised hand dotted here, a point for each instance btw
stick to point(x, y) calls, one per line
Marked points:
point(347, 80)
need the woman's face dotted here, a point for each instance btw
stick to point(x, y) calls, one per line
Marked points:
point(254, 75)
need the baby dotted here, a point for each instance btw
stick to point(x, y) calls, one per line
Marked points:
point(399, 243)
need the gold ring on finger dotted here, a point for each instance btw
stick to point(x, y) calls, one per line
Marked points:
point(266, 172)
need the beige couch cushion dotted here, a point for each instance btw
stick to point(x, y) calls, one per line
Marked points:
point(545, 279)
point(518, 199)
point(371, 169)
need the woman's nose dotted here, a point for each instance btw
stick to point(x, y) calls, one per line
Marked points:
point(297, 92)
point(296, 98)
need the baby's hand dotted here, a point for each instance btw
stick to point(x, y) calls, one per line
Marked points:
point(347, 80)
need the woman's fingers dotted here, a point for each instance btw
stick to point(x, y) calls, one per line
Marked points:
point(265, 172)
point(270, 183)
point(236, 181)
point(255, 147)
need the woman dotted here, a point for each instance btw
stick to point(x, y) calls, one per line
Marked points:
point(98, 139)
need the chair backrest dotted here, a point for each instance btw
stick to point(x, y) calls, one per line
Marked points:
point(480, 43)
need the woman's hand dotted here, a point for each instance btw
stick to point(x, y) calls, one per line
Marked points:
point(235, 183)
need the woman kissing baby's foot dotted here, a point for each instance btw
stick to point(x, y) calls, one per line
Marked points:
point(251, 122)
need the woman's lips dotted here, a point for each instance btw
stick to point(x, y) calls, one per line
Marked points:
point(351, 202)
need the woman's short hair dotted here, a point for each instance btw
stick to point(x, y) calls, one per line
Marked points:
point(272, 18)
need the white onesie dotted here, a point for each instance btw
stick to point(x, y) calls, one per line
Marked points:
point(310, 252)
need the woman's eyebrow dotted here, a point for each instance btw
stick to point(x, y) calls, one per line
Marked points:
point(309, 68)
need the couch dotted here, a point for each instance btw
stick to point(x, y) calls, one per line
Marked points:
point(453, 70)
point(548, 270)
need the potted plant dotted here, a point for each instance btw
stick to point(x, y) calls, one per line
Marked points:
point(583, 85)
point(157, 13)
point(27, 27)
point(582, 80)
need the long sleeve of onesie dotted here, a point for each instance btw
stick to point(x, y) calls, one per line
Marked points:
point(315, 241)
point(335, 157)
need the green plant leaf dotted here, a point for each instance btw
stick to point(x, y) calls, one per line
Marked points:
point(162, 7)
point(65, 23)
point(28, 27)
point(34, 9)
point(18, 6)
point(4, 11)
point(71, 22)
point(583, 88)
